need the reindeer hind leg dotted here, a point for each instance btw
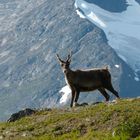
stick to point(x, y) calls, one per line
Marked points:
point(104, 93)
point(111, 89)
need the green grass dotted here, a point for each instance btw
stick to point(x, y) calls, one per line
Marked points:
point(119, 121)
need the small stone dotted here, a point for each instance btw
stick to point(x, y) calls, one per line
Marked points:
point(7, 132)
point(75, 104)
point(113, 133)
point(84, 104)
point(24, 134)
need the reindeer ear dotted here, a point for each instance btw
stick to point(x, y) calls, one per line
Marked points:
point(58, 58)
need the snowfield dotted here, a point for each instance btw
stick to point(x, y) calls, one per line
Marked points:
point(122, 29)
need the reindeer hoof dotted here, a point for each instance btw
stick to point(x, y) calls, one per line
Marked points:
point(118, 98)
point(106, 101)
point(75, 104)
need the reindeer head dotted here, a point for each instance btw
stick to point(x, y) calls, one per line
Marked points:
point(64, 64)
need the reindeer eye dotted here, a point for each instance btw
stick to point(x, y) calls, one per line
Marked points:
point(62, 65)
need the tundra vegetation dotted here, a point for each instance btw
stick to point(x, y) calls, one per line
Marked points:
point(104, 121)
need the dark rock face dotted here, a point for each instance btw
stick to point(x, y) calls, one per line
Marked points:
point(111, 5)
point(16, 116)
point(138, 1)
point(128, 85)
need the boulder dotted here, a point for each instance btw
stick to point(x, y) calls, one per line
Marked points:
point(21, 114)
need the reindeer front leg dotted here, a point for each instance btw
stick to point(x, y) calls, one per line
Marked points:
point(72, 98)
point(76, 98)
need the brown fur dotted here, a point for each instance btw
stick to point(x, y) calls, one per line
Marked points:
point(87, 80)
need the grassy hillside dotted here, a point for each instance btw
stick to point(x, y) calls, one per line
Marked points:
point(113, 121)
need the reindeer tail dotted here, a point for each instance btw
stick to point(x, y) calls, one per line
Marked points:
point(107, 67)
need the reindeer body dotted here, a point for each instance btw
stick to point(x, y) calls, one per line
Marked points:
point(87, 80)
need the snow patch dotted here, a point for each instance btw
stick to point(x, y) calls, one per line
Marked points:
point(80, 14)
point(66, 94)
point(136, 78)
point(75, 4)
point(93, 18)
point(117, 66)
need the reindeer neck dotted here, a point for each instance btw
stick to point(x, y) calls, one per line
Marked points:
point(69, 76)
point(67, 71)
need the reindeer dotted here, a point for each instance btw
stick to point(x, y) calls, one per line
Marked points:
point(86, 80)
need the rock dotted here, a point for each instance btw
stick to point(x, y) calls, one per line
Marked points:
point(21, 114)
point(45, 109)
point(83, 104)
point(1, 137)
point(96, 103)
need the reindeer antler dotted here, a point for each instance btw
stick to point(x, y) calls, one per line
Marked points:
point(69, 56)
point(57, 56)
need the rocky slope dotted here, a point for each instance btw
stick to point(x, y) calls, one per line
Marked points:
point(31, 32)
